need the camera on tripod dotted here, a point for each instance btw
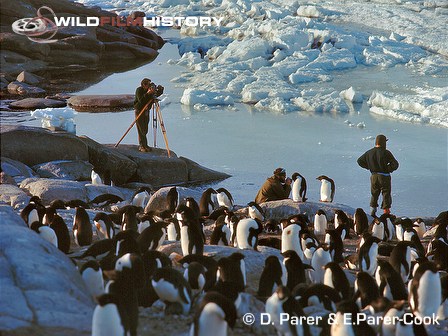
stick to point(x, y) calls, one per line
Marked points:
point(158, 89)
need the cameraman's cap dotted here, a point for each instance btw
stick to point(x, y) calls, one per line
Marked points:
point(381, 140)
point(280, 172)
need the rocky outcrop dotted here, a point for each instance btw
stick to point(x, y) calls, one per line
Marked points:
point(157, 202)
point(100, 102)
point(36, 103)
point(16, 169)
point(66, 170)
point(79, 51)
point(13, 195)
point(42, 291)
point(33, 145)
point(51, 189)
point(109, 161)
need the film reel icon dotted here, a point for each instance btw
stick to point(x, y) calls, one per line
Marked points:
point(37, 26)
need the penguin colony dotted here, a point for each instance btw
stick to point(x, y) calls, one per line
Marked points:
point(390, 277)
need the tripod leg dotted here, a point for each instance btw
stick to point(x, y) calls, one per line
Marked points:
point(154, 124)
point(162, 126)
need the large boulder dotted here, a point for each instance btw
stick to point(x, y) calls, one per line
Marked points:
point(51, 189)
point(16, 169)
point(198, 173)
point(65, 169)
point(36, 103)
point(155, 167)
point(42, 291)
point(108, 160)
point(157, 202)
point(33, 145)
point(13, 195)
point(287, 207)
point(110, 102)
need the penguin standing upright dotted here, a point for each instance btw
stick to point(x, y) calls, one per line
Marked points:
point(295, 269)
point(63, 235)
point(220, 235)
point(34, 211)
point(425, 294)
point(320, 258)
point(334, 241)
point(173, 229)
point(106, 319)
point(82, 229)
point(348, 311)
point(400, 259)
point(291, 239)
point(281, 303)
point(104, 225)
point(130, 221)
point(191, 238)
point(129, 278)
point(298, 188)
point(215, 314)
point(336, 278)
point(420, 227)
point(361, 222)
point(208, 202)
point(233, 269)
point(367, 255)
point(209, 263)
point(152, 237)
point(272, 276)
point(327, 188)
point(141, 198)
point(389, 281)
point(195, 275)
point(320, 222)
point(247, 232)
point(366, 289)
point(95, 177)
point(92, 275)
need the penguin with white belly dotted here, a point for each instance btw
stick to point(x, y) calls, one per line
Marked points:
point(191, 238)
point(224, 198)
point(320, 222)
point(298, 188)
point(92, 275)
point(327, 188)
point(215, 314)
point(255, 211)
point(247, 232)
point(367, 256)
point(320, 258)
point(291, 239)
point(425, 294)
point(336, 278)
point(106, 320)
point(400, 259)
point(389, 281)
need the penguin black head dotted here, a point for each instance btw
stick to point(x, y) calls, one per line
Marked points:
point(93, 264)
point(106, 299)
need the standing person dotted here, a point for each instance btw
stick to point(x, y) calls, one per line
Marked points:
point(381, 163)
point(276, 187)
point(145, 92)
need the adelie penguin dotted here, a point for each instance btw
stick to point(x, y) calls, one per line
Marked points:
point(208, 202)
point(247, 232)
point(215, 314)
point(400, 259)
point(45, 232)
point(232, 269)
point(295, 269)
point(34, 211)
point(255, 211)
point(106, 320)
point(367, 255)
point(348, 311)
point(152, 237)
point(291, 239)
point(318, 295)
point(298, 188)
point(173, 289)
point(425, 293)
point(82, 229)
point(389, 281)
point(336, 278)
point(195, 275)
point(92, 275)
point(273, 276)
point(220, 235)
point(327, 188)
point(191, 238)
point(104, 225)
point(63, 235)
point(366, 290)
point(141, 197)
point(320, 222)
point(224, 198)
point(361, 223)
point(128, 279)
point(281, 303)
point(334, 241)
point(320, 258)
point(209, 263)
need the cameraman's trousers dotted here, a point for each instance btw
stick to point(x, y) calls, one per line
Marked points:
point(142, 127)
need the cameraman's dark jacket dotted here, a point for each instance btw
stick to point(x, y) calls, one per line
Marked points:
point(378, 160)
point(142, 97)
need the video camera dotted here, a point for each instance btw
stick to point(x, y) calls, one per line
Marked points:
point(158, 89)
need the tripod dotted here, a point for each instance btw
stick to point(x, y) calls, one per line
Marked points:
point(156, 117)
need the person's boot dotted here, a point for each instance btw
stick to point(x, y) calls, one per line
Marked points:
point(387, 211)
point(372, 211)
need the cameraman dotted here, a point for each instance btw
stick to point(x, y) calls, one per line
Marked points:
point(146, 92)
